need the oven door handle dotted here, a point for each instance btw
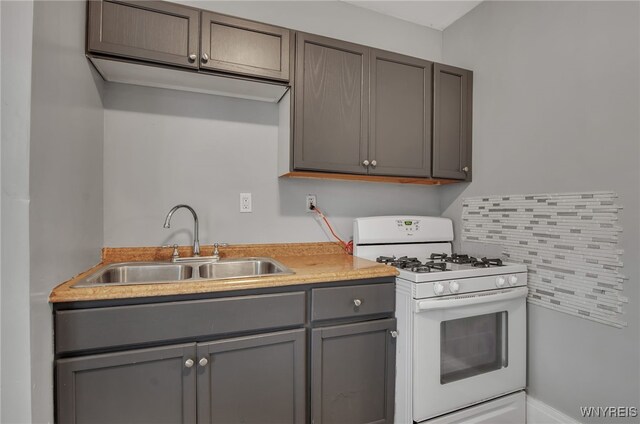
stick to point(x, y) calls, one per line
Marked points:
point(471, 299)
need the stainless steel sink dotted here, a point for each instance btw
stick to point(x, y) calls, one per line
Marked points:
point(163, 272)
point(138, 273)
point(239, 268)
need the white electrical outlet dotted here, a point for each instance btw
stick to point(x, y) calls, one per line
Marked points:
point(311, 200)
point(245, 202)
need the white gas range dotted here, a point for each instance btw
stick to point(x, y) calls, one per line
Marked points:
point(461, 347)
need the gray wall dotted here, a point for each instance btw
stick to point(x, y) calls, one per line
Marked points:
point(66, 227)
point(17, 29)
point(556, 106)
point(165, 147)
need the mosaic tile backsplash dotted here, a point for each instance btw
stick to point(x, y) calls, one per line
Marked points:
point(569, 242)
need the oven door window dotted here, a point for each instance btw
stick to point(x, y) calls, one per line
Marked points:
point(473, 346)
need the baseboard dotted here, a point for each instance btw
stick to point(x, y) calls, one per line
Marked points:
point(540, 413)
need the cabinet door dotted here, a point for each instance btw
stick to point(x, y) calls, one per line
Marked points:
point(140, 386)
point(256, 379)
point(154, 31)
point(331, 105)
point(244, 47)
point(353, 373)
point(400, 115)
point(452, 104)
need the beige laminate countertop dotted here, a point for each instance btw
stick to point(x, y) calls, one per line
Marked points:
point(311, 263)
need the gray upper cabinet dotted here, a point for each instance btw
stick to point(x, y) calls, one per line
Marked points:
point(244, 47)
point(331, 105)
point(400, 115)
point(353, 373)
point(453, 88)
point(171, 34)
point(152, 31)
point(255, 379)
point(154, 385)
point(359, 110)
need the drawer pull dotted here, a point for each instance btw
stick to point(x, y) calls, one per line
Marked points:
point(357, 302)
point(203, 362)
point(394, 333)
point(188, 363)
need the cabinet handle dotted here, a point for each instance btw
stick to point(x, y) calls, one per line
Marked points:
point(374, 163)
point(205, 58)
point(393, 333)
point(365, 163)
point(465, 169)
point(188, 363)
point(203, 362)
point(357, 302)
point(192, 57)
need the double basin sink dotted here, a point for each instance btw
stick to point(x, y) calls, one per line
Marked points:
point(126, 273)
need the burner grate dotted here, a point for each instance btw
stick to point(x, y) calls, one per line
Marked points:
point(460, 259)
point(439, 266)
point(487, 263)
point(438, 262)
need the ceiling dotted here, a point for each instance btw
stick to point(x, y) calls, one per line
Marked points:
point(437, 14)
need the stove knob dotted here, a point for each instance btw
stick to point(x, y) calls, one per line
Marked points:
point(454, 287)
point(438, 288)
point(513, 280)
point(500, 282)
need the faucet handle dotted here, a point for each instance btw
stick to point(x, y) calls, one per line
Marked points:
point(175, 254)
point(216, 252)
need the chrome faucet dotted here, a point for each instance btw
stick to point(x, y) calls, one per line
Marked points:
point(196, 240)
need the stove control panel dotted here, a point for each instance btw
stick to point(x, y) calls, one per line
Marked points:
point(410, 226)
point(468, 285)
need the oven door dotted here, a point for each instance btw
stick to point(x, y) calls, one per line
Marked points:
point(467, 349)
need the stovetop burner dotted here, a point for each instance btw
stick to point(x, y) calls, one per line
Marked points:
point(460, 259)
point(385, 259)
point(403, 262)
point(430, 266)
point(486, 263)
point(412, 264)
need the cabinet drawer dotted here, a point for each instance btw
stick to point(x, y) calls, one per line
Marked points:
point(342, 302)
point(88, 329)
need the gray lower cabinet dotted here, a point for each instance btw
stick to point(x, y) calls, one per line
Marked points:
point(255, 379)
point(231, 359)
point(353, 373)
point(331, 105)
point(400, 115)
point(154, 31)
point(137, 386)
point(452, 99)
